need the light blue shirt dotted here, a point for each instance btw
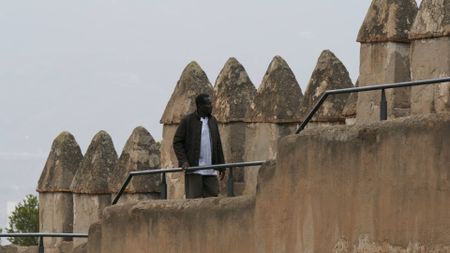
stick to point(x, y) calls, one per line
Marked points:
point(205, 150)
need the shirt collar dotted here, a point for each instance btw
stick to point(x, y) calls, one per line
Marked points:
point(198, 116)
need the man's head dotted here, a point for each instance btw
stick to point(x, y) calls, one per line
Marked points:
point(203, 103)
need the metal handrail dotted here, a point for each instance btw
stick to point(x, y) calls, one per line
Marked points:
point(41, 236)
point(383, 104)
point(189, 169)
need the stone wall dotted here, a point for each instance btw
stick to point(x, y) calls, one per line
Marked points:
point(381, 187)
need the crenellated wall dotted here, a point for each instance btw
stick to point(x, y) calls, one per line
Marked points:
point(251, 121)
point(380, 187)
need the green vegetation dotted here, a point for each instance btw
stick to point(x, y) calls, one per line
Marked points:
point(25, 219)
point(158, 145)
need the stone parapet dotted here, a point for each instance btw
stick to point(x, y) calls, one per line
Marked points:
point(331, 189)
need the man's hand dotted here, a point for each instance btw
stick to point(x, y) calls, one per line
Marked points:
point(185, 165)
point(221, 175)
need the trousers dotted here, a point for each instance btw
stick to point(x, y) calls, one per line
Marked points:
point(199, 186)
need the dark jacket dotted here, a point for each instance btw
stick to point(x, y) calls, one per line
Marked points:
point(186, 141)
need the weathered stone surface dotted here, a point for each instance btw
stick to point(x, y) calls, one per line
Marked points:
point(332, 189)
point(430, 58)
point(55, 215)
point(233, 93)
point(8, 249)
point(99, 169)
point(349, 110)
point(62, 163)
point(383, 63)
point(193, 81)
point(262, 144)
point(175, 226)
point(87, 209)
point(279, 96)
point(234, 138)
point(329, 74)
point(33, 249)
point(366, 245)
point(388, 20)
point(95, 236)
point(432, 20)
point(349, 181)
point(18, 249)
point(65, 247)
point(175, 181)
point(140, 153)
point(82, 248)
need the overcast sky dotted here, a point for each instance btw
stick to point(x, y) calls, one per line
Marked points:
point(87, 65)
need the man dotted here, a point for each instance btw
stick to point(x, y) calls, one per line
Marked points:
point(197, 143)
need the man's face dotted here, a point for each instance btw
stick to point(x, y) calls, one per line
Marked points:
point(205, 107)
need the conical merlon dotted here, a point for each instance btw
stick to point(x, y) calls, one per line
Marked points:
point(62, 164)
point(432, 20)
point(388, 20)
point(140, 153)
point(233, 93)
point(329, 74)
point(193, 81)
point(99, 167)
point(279, 96)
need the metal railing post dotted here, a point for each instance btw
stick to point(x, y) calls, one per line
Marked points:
point(230, 183)
point(41, 244)
point(383, 106)
point(163, 189)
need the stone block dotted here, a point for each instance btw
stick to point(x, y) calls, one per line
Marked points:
point(56, 215)
point(383, 63)
point(430, 58)
point(87, 210)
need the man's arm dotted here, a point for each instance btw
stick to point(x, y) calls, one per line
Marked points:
point(178, 143)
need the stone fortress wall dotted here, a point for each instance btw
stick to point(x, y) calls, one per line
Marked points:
point(399, 42)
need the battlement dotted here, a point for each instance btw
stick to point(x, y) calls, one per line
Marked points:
point(352, 173)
